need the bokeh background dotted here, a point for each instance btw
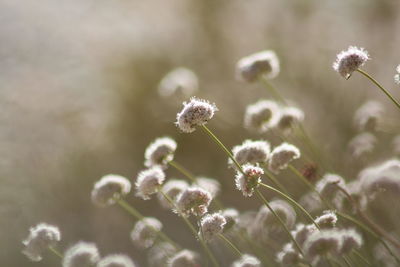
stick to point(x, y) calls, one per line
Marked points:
point(78, 98)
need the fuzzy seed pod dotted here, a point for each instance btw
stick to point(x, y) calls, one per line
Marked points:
point(159, 254)
point(288, 256)
point(289, 116)
point(160, 152)
point(196, 112)
point(211, 225)
point(281, 156)
point(248, 181)
point(350, 60)
point(247, 261)
point(148, 181)
point(327, 220)
point(145, 231)
point(350, 240)
point(109, 189)
point(362, 144)
point(397, 75)
point(194, 200)
point(368, 116)
point(116, 260)
point(253, 67)
point(185, 258)
point(320, 243)
point(262, 116)
point(251, 152)
point(81, 254)
point(40, 238)
point(172, 189)
point(210, 185)
point(328, 185)
point(180, 80)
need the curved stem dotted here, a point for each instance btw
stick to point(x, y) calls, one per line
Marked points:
point(221, 145)
point(292, 201)
point(275, 180)
point(265, 201)
point(386, 92)
point(182, 170)
point(234, 248)
point(56, 252)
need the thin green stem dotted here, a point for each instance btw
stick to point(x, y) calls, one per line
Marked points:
point(221, 145)
point(347, 261)
point(292, 201)
point(56, 252)
point(359, 255)
point(182, 170)
point(234, 248)
point(380, 87)
point(265, 201)
point(272, 90)
point(274, 180)
point(191, 227)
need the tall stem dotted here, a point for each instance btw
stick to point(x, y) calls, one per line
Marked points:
point(234, 248)
point(56, 252)
point(386, 92)
point(182, 170)
point(265, 201)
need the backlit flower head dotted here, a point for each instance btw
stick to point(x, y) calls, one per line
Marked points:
point(81, 254)
point(350, 60)
point(196, 112)
point(397, 75)
point(172, 189)
point(302, 232)
point(351, 239)
point(368, 116)
point(248, 181)
point(180, 80)
point(327, 220)
point(160, 152)
point(40, 238)
point(184, 258)
point(261, 116)
point(251, 152)
point(148, 182)
point(110, 188)
point(145, 231)
point(320, 243)
point(160, 253)
point(362, 144)
point(266, 219)
point(194, 200)
point(327, 187)
point(210, 185)
point(288, 256)
point(116, 260)
point(281, 156)
point(211, 225)
point(289, 116)
point(231, 216)
point(253, 67)
point(247, 261)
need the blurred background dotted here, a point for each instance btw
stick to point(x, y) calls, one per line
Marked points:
point(78, 97)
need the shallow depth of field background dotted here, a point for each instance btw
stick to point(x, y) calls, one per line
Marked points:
point(78, 99)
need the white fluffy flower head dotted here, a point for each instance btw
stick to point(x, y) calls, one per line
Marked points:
point(251, 152)
point(261, 116)
point(328, 186)
point(320, 243)
point(368, 115)
point(194, 200)
point(180, 80)
point(81, 254)
point(281, 156)
point(211, 225)
point(184, 258)
point(210, 185)
point(196, 112)
point(351, 239)
point(116, 260)
point(40, 238)
point(350, 60)
point(160, 152)
point(148, 181)
point(172, 188)
point(288, 256)
point(145, 231)
point(249, 180)
point(253, 67)
point(397, 75)
point(110, 188)
point(289, 116)
point(362, 144)
point(327, 220)
point(247, 261)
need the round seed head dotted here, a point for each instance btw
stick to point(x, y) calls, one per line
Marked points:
point(397, 75)
point(320, 243)
point(289, 116)
point(211, 225)
point(253, 67)
point(311, 202)
point(262, 116)
point(210, 185)
point(40, 238)
point(194, 200)
point(284, 210)
point(148, 181)
point(247, 261)
point(145, 231)
point(116, 260)
point(350, 60)
point(172, 189)
point(109, 189)
point(362, 144)
point(281, 156)
point(368, 116)
point(159, 254)
point(81, 254)
point(351, 240)
point(180, 80)
point(302, 232)
point(185, 258)
point(251, 152)
point(248, 181)
point(288, 256)
point(160, 152)
point(327, 220)
point(196, 112)
point(328, 185)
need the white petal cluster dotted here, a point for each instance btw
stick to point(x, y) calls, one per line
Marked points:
point(281, 156)
point(81, 254)
point(116, 260)
point(160, 152)
point(148, 182)
point(251, 152)
point(211, 225)
point(247, 261)
point(184, 258)
point(145, 231)
point(172, 188)
point(350, 60)
point(328, 186)
point(368, 116)
point(397, 75)
point(193, 201)
point(362, 144)
point(210, 185)
point(110, 188)
point(179, 80)
point(262, 116)
point(253, 67)
point(249, 180)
